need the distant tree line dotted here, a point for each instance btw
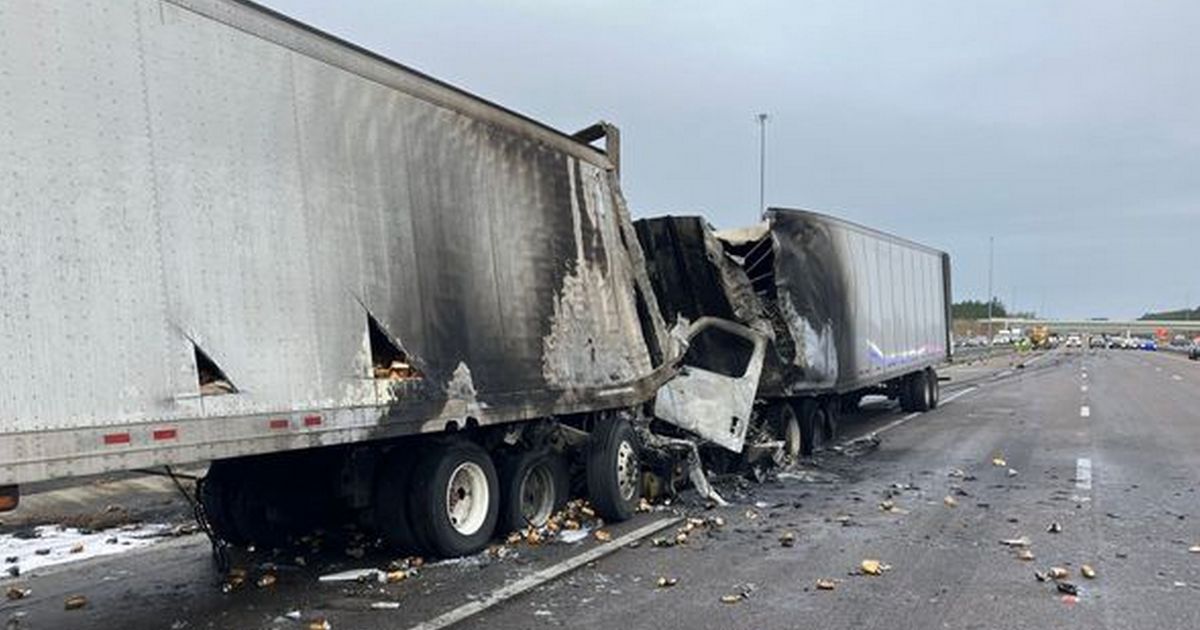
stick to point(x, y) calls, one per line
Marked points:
point(978, 309)
point(1177, 314)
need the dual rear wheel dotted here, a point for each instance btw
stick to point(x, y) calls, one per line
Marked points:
point(453, 499)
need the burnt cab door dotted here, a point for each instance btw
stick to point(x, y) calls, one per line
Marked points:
point(713, 393)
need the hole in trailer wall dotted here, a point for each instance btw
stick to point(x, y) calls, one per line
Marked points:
point(211, 379)
point(388, 361)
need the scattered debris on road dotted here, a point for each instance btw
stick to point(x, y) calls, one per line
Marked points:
point(75, 602)
point(826, 584)
point(950, 501)
point(666, 582)
point(787, 539)
point(16, 592)
point(873, 567)
point(1087, 571)
point(1067, 588)
point(1054, 528)
point(1015, 542)
point(1025, 554)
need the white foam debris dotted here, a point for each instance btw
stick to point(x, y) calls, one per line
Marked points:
point(62, 545)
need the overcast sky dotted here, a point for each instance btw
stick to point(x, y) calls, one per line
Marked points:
point(1069, 131)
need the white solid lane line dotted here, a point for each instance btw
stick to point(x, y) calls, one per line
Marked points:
point(1083, 473)
point(508, 591)
point(1085, 411)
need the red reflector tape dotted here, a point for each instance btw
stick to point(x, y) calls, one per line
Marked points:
point(116, 438)
point(278, 424)
point(165, 434)
point(312, 421)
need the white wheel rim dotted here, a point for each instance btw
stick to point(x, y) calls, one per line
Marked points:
point(627, 470)
point(537, 496)
point(467, 498)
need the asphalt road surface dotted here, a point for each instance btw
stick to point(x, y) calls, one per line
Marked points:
point(1103, 443)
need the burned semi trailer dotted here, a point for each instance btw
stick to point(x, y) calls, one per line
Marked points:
point(848, 311)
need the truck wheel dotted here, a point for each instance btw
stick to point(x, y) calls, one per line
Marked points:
point(390, 503)
point(455, 500)
point(533, 485)
point(830, 426)
point(935, 388)
point(905, 388)
point(251, 515)
point(215, 493)
point(919, 386)
point(786, 427)
point(614, 470)
point(812, 426)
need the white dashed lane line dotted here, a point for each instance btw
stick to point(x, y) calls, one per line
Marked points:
point(1083, 473)
point(1085, 411)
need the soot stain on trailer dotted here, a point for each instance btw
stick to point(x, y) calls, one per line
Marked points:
point(812, 298)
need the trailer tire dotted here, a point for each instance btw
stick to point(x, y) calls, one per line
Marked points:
point(919, 391)
point(812, 425)
point(905, 393)
point(785, 426)
point(614, 470)
point(251, 515)
point(830, 426)
point(935, 388)
point(455, 501)
point(214, 492)
point(534, 484)
point(390, 504)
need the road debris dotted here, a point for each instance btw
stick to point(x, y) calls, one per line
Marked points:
point(353, 575)
point(1012, 472)
point(75, 602)
point(887, 505)
point(666, 582)
point(1054, 528)
point(731, 599)
point(873, 567)
point(787, 539)
point(826, 584)
point(1025, 554)
point(319, 624)
point(385, 605)
point(603, 535)
point(1015, 542)
point(1194, 549)
point(1067, 588)
point(1087, 571)
point(999, 461)
point(1057, 573)
point(1041, 576)
point(950, 501)
point(266, 580)
point(15, 592)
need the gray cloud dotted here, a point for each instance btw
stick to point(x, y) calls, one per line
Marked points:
point(1069, 131)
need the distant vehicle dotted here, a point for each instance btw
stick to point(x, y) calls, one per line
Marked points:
point(1194, 350)
point(1073, 341)
point(1097, 341)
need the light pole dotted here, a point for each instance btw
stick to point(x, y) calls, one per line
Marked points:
point(762, 163)
point(991, 257)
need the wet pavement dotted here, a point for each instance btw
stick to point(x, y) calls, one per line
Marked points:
point(1011, 452)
